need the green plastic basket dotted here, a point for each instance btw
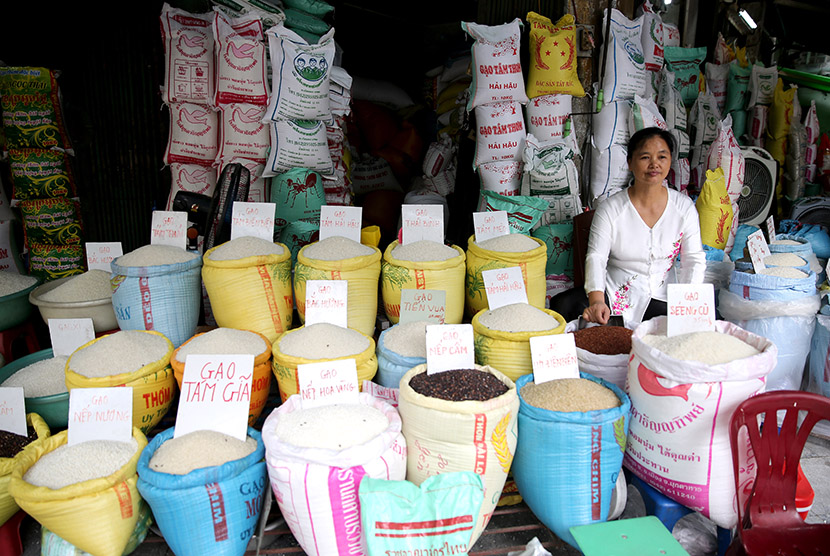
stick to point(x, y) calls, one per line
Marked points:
point(55, 408)
point(15, 308)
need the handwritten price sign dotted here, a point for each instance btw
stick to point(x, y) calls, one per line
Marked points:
point(100, 255)
point(253, 219)
point(504, 286)
point(428, 305)
point(691, 308)
point(553, 357)
point(13, 411)
point(67, 335)
point(488, 225)
point(169, 227)
point(340, 221)
point(100, 414)
point(758, 250)
point(328, 382)
point(449, 347)
point(327, 301)
point(422, 223)
point(771, 229)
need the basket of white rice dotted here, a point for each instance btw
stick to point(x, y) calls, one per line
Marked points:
point(528, 253)
point(502, 336)
point(11, 448)
point(340, 258)
point(136, 358)
point(316, 458)
point(232, 341)
point(248, 281)
point(181, 478)
point(42, 375)
point(87, 295)
point(15, 307)
point(316, 343)
point(423, 265)
point(85, 493)
point(400, 348)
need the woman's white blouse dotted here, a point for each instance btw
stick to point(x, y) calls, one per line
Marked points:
point(633, 263)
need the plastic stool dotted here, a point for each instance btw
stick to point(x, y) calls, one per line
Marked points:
point(640, 536)
point(10, 543)
point(7, 338)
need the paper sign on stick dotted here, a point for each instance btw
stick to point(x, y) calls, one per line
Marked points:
point(100, 255)
point(758, 250)
point(169, 227)
point(340, 221)
point(422, 223)
point(67, 335)
point(100, 414)
point(327, 301)
point(328, 382)
point(488, 225)
point(504, 286)
point(771, 229)
point(553, 357)
point(449, 347)
point(691, 308)
point(428, 305)
point(13, 410)
point(253, 219)
point(215, 394)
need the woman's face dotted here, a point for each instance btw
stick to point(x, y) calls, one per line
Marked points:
point(651, 161)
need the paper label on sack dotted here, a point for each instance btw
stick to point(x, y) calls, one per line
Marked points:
point(327, 301)
point(215, 394)
point(340, 221)
point(328, 382)
point(504, 286)
point(758, 250)
point(428, 305)
point(169, 227)
point(553, 357)
point(253, 220)
point(422, 223)
point(13, 410)
point(389, 395)
point(691, 308)
point(449, 347)
point(771, 229)
point(67, 335)
point(488, 225)
point(100, 255)
point(100, 414)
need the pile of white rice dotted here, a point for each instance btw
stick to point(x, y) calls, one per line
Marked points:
point(126, 351)
point(323, 341)
point(155, 255)
point(784, 272)
point(89, 286)
point(711, 348)
point(569, 394)
point(518, 317)
point(180, 456)
point(246, 246)
point(336, 248)
point(408, 340)
point(67, 465)
point(12, 282)
point(334, 427)
point(510, 243)
point(424, 251)
point(222, 341)
point(786, 242)
point(784, 259)
point(46, 377)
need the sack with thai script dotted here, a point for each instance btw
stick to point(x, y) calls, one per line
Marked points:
point(547, 114)
point(496, 66)
point(32, 112)
point(570, 460)
point(762, 85)
point(561, 208)
point(97, 516)
point(725, 153)
point(50, 262)
point(682, 143)
point(435, 518)
point(317, 489)
point(193, 178)
point(444, 436)
point(211, 510)
point(189, 66)
point(298, 144)
point(717, 77)
point(703, 120)
point(685, 64)
point(652, 37)
point(504, 178)
point(678, 441)
point(737, 87)
point(8, 507)
point(610, 125)
point(715, 210)
point(56, 221)
point(193, 136)
point(625, 71)
point(39, 173)
point(500, 134)
point(241, 71)
point(553, 57)
point(644, 113)
point(671, 35)
point(242, 133)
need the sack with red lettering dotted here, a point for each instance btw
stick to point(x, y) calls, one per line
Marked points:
point(549, 167)
point(501, 133)
point(240, 60)
point(504, 178)
point(727, 154)
point(547, 114)
point(188, 56)
point(652, 37)
point(193, 178)
point(193, 136)
point(242, 133)
point(678, 440)
point(317, 488)
point(671, 35)
point(497, 68)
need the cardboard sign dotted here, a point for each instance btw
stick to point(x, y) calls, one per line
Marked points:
point(504, 286)
point(100, 414)
point(422, 223)
point(553, 357)
point(253, 220)
point(488, 225)
point(758, 250)
point(327, 301)
point(13, 410)
point(215, 394)
point(100, 255)
point(169, 228)
point(691, 308)
point(771, 229)
point(428, 305)
point(389, 395)
point(340, 221)
point(449, 347)
point(328, 382)
point(67, 335)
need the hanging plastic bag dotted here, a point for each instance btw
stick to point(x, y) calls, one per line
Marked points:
point(715, 210)
point(625, 71)
point(553, 66)
point(496, 67)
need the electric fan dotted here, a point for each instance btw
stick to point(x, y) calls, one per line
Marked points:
point(812, 210)
point(761, 171)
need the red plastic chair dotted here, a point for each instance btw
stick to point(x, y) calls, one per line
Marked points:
point(766, 474)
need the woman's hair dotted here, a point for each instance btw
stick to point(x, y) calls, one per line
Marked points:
point(644, 135)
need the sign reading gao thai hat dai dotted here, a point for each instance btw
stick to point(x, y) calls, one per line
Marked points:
point(253, 219)
point(691, 308)
point(328, 382)
point(449, 347)
point(553, 357)
point(422, 223)
point(504, 286)
point(491, 224)
point(340, 221)
point(169, 227)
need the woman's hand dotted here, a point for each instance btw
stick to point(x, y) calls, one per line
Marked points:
point(597, 312)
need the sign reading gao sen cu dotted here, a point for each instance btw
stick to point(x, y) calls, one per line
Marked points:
point(691, 308)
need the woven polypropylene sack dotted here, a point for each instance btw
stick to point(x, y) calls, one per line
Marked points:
point(97, 516)
point(362, 274)
point(165, 298)
point(610, 368)
point(212, 510)
point(260, 381)
point(154, 386)
point(773, 288)
point(509, 352)
point(444, 436)
point(570, 460)
point(532, 263)
point(285, 366)
point(398, 275)
point(53, 545)
point(392, 365)
point(252, 293)
point(317, 489)
point(8, 507)
point(820, 356)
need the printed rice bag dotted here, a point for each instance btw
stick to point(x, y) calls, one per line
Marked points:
point(497, 69)
point(547, 114)
point(298, 194)
point(553, 57)
point(680, 174)
point(54, 221)
point(717, 76)
point(299, 20)
point(241, 72)
point(783, 108)
point(682, 145)
point(32, 112)
point(610, 125)
point(373, 173)
point(504, 178)
point(703, 119)
point(549, 167)
point(561, 208)
point(671, 36)
point(500, 134)
point(652, 37)
point(609, 172)
point(193, 178)
point(737, 87)
point(725, 153)
point(644, 113)
point(242, 133)
point(523, 212)
point(715, 210)
point(625, 72)
point(685, 64)
point(188, 56)
point(298, 144)
point(811, 125)
point(39, 173)
point(762, 85)
point(50, 262)
point(439, 156)
point(194, 134)
point(671, 103)
point(723, 52)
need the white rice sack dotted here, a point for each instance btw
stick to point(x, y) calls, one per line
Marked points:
point(193, 178)
point(610, 125)
point(625, 72)
point(501, 132)
point(811, 124)
point(609, 172)
point(188, 56)
point(504, 178)
point(723, 53)
point(727, 154)
point(497, 69)
point(259, 189)
point(194, 134)
point(340, 96)
point(703, 120)
point(717, 76)
point(298, 144)
point(549, 167)
point(644, 113)
point(547, 114)
point(439, 156)
point(682, 145)
point(241, 72)
point(670, 102)
point(370, 173)
point(671, 35)
point(242, 133)
point(652, 37)
point(444, 183)
point(762, 83)
point(301, 76)
point(561, 208)
point(680, 174)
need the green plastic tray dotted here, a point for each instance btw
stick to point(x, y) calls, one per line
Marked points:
point(55, 408)
point(640, 536)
